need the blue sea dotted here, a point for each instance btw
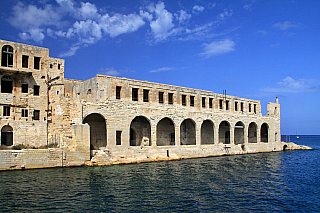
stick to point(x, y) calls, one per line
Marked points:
point(265, 182)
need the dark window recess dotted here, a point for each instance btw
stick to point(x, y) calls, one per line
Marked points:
point(6, 110)
point(210, 102)
point(25, 61)
point(184, 100)
point(241, 107)
point(172, 138)
point(36, 63)
point(161, 97)
point(203, 102)
point(191, 100)
point(170, 98)
point(51, 66)
point(227, 105)
point(24, 113)
point(89, 91)
point(118, 137)
point(6, 84)
point(255, 108)
point(249, 107)
point(145, 95)
point(24, 88)
point(220, 103)
point(59, 66)
point(135, 94)
point(236, 106)
point(7, 56)
point(36, 90)
point(36, 115)
point(118, 92)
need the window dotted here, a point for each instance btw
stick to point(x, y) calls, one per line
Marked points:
point(145, 95)
point(6, 84)
point(118, 92)
point(191, 100)
point(170, 98)
point(7, 56)
point(184, 100)
point(220, 104)
point(118, 137)
point(210, 102)
point(241, 106)
point(51, 66)
point(36, 90)
point(227, 105)
point(24, 88)
point(25, 61)
point(24, 113)
point(255, 108)
point(161, 97)
point(59, 66)
point(249, 107)
point(36, 115)
point(236, 106)
point(135, 94)
point(88, 91)
point(203, 102)
point(36, 63)
point(6, 110)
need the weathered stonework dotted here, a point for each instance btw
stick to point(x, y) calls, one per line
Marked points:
point(130, 120)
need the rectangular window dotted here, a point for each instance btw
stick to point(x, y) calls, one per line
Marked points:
point(210, 102)
point(36, 115)
point(191, 100)
point(118, 92)
point(36, 63)
point(135, 94)
point(25, 61)
point(227, 105)
point(6, 110)
point(51, 66)
point(255, 108)
point(184, 100)
point(170, 98)
point(249, 107)
point(24, 113)
point(161, 97)
point(203, 102)
point(36, 90)
point(59, 65)
point(24, 88)
point(220, 104)
point(145, 95)
point(236, 106)
point(118, 137)
point(241, 107)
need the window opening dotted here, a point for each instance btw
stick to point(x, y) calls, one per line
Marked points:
point(118, 92)
point(135, 94)
point(145, 95)
point(227, 105)
point(59, 66)
point(7, 56)
point(170, 98)
point(6, 84)
point(210, 102)
point(203, 102)
point(24, 113)
point(89, 91)
point(241, 107)
point(51, 66)
point(249, 107)
point(118, 137)
point(255, 108)
point(36, 90)
point(36, 63)
point(36, 115)
point(191, 100)
point(25, 61)
point(161, 97)
point(24, 88)
point(184, 100)
point(6, 110)
point(220, 103)
point(236, 106)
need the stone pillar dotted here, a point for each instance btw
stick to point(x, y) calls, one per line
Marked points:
point(198, 135)
point(258, 134)
point(231, 134)
point(153, 135)
point(245, 134)
point(216, 135)
point(177, 135)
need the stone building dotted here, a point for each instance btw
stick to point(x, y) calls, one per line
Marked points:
point(128, 119)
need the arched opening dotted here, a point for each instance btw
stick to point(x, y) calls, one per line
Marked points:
point(165, 132)
point(285, 147)
point(207, 133)
point(224, 132)
point(7, 56)
point(188, 132)
point(6, 84)
point(239, 133)
point(264, 133)
point(7, 135)
point(98, 130)
point(252, 132)
point(140, 132)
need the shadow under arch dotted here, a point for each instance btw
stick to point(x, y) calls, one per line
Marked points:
point(188, 132)
point(98, 130)
point(7, 135)
point(252, 132)
point(264, 133)
point(207, 132)
point(165, 132)
point(140, 132)
point(239, 133)
point(224, 132)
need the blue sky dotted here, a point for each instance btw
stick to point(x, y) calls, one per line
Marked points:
point(251, 48)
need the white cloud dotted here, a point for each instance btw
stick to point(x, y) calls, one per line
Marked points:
point(225, 14)
point(162, 69)
point(262, 32)
point(197, 9)
point(218, 48)
point(70, 52)
point(111, 71)
point(88, 11)
point(247, 7)
point(182, 16)
point(290, 85)
point(285, 25)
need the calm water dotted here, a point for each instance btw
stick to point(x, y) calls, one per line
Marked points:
point(267, 182)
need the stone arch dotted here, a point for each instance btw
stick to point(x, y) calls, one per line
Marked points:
point(252, 132)
point(224, 132)
point(140, 132)
point(207, 132)
point(7, 135)
point(6, 84)
point(165, 132)
point(7, 56)
point(264, 133)
point(98, 130)
point(239, 133)
point(188, 132)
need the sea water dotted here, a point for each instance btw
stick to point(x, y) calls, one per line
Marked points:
point(265, 182)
